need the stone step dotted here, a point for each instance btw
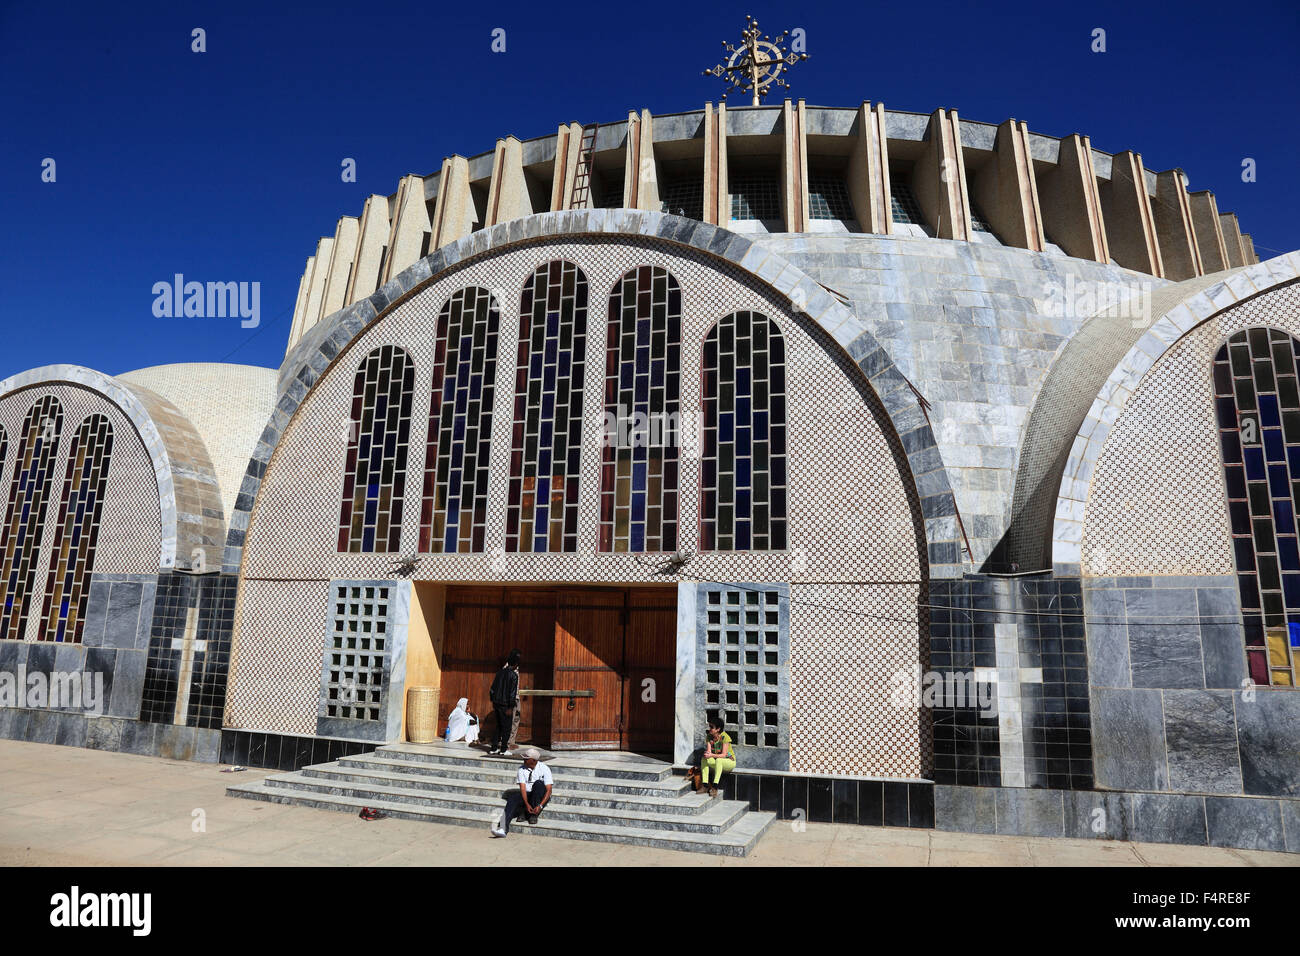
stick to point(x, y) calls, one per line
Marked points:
point(505, 775)
point(571, 764)
point(737, 840)
point(713, 820)
point(570, 793)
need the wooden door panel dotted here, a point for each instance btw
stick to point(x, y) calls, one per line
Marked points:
point(588, 656)
point(650, 655)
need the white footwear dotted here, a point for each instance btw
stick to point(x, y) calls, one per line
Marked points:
point(498, 832)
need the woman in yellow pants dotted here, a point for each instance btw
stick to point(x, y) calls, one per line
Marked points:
point(718, 755)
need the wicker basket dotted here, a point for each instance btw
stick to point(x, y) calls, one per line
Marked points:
point(422, 714)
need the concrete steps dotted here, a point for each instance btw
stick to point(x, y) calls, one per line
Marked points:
point(608, 798)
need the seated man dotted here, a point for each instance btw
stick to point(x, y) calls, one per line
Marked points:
point(535, 786)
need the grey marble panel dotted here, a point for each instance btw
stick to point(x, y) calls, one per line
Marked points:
point(1166, 818)
point(122, 623)
point(1095, 815)
point(1108, 661)
point(128, 684)
point(965, 809)
point(1245, 823)
point(1201, 741)
point(1128, 741)
point(1165, 655)
point(1029, 812)
point(1222, 640)
point(92, 630)
point(1290, 812)
point(1268, 728)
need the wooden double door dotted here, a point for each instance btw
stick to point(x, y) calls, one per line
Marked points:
point(617, 643)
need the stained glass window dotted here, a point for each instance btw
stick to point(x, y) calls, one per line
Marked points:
point(546, 441)
point(639, 457)
point(1257, 399)
point(743, 480)
point(29, 494)
point(77, 532)
point(374, 483)
point(453, 508)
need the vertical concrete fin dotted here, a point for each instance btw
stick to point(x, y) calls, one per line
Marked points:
point(1209, 233)
point(1130, 225)
point(632, 162)
point(453, 212)
point(1178, 247)
point(372, 235)
point(508, 190)
point(647, 171)
point(406, 239)
point(1232, 239)
point(1008, 193)
point(300, 305)
point(717, 206)
point(868, 172)
point(939, 179)
point(342, 262)
point(794, 167)
point(568, 144)
point(1249, 245)
point(1071, 204)
point(316, 293)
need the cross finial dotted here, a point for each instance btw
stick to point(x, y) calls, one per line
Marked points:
point(757, 63)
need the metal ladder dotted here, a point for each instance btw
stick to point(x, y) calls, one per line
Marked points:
point(582, 175)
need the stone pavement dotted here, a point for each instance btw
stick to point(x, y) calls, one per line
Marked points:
point(74, 807)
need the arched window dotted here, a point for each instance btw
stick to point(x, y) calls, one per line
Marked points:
point(29, 492)
point(743, 480)
point(1257, 398)
point(374, 482)
point(639, 457)
point(73, 553)
point(546, 442)
point(453, 507)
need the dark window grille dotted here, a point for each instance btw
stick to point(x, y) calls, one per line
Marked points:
point(29, 493)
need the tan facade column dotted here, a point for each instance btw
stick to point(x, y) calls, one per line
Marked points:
point(640, 178)
point(1209, 234)
point(342, 262)
point(316, 291)
point(717, 202)
point(1071, 204)
point(454, 216)
point(300, 305)
point(939, 181)
point(1232, 239)
point(372, 236)
point(868, 174)
point(1178, 249)
point(410, 223)
point(794, 167)
point(1249, 245)
point(1008, 193)
point(1130, 225)
point(568, 143)
point(508, 191)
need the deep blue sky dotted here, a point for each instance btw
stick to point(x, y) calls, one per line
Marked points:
point(225, 165)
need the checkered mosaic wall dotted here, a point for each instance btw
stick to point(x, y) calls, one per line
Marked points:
point(1157, 504)
point(130, 522)
point(852, 516)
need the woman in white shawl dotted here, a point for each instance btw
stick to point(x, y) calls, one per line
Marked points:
point(459, 726)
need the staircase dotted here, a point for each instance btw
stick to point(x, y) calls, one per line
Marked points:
point(609, 798)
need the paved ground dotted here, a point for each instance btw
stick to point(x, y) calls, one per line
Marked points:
point(68, 806)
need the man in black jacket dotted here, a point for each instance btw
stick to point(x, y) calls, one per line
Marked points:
point(505, 701)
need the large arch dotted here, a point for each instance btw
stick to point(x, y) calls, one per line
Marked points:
point(1110, 400)
point(317, 350)
point(181, 465)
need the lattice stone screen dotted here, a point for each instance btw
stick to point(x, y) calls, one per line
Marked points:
point(742, 668)
point(363, 679)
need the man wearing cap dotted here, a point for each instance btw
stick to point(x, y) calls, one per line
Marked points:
point(535, 785)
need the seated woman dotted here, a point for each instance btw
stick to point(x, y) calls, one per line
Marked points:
point(718, 755)
point(461, 724)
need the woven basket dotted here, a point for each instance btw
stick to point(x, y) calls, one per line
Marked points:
point(422, 715)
